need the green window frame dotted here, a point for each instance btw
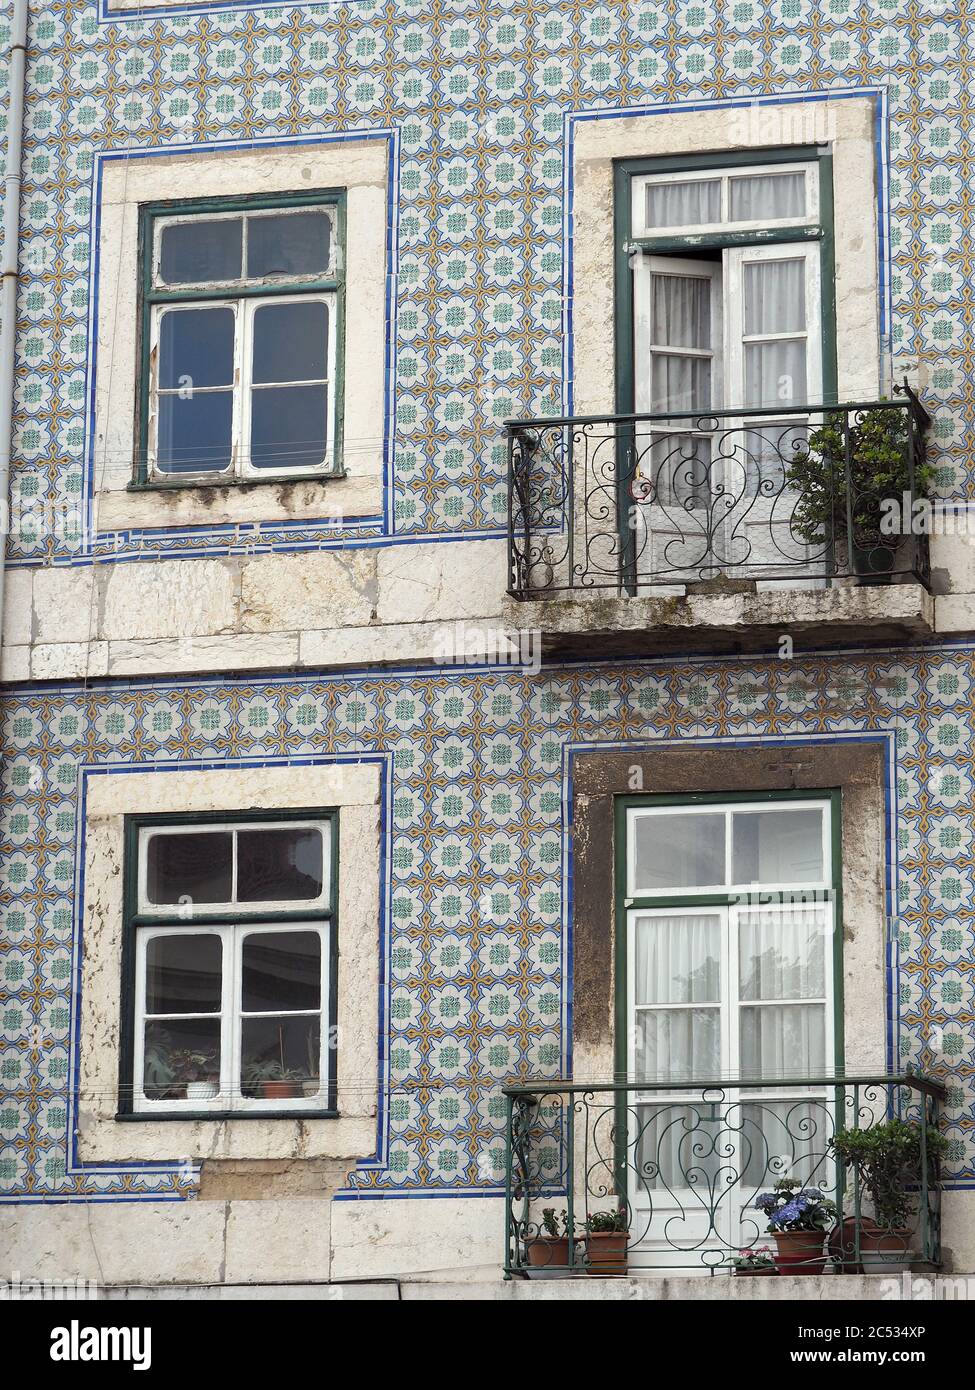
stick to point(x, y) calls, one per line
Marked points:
point(624, 903)
point(244, 297)
point(230, 923)
point(628, 246)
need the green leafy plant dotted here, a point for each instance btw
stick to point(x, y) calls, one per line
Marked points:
point(269, 1069)
point(879, 443)
point(191, 1064)
point(157, 1069)
point(602, 1222)
point(887, 1158)
point(555, 1224)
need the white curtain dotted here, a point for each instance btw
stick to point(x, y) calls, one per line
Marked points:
point(678, 961)
point(690, 204)
point(783, 1040)
point(754, 197)
point(775, 302)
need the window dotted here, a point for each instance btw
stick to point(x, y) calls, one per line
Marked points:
point(241, 329)
point(730, 956)
point(229, 944)
point(728, 913)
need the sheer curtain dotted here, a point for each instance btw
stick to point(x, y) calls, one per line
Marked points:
point(678, 962)
point(764, 197)
point(689, 204)
point(775, 303)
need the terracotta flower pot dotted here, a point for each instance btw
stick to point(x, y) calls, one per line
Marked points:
point(842, 1247)
point(606, 1252)
point(280, 1090)
point(548, 1252)
point(799, 1252)
point(752, 1273)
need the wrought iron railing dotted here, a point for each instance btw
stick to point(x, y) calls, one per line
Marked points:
point(629, 503)
point(682, 1171)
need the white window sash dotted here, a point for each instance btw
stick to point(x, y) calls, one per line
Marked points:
point(645, 268)
point(230, 1097)
point(640, 227)
point(736, 259)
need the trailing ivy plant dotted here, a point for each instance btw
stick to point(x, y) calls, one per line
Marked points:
point(879, 452)
point(887, 1157)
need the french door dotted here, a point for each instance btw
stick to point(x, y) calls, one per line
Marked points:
point(723, 996)
point(738, 332)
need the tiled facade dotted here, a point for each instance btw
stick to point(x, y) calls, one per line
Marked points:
point(476, 945)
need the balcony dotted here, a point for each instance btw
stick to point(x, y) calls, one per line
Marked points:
point(633, 533)
point(687, 1177)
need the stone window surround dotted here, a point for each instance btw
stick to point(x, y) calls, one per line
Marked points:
point(361, 168)
point(856, 768)
point(113, 791)
point(850, 123)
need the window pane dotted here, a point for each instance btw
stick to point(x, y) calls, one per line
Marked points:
point(193, 252)
point(680, 311)
point(783, 1040)
point(678, 1045)
point(178, 1052)
point(679, 851)
point(196, 348)
point(678, 960)
point(276, 1050)
point(290, 342)
point(679, 466)
point(679, 383)
point(297, 243)
point(193, 868)
point(678, 1146)
point(777, 846)
point(782, 954)
point(183, 974)
point(288, 427)
point(775, 373)
point(281, 970)
point(684, 204)
point(194, 436)
point(788, 1137)
point(775, 296)
point(279, 865)
point(759, 196)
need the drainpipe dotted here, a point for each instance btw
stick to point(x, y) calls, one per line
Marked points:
point(16, 64)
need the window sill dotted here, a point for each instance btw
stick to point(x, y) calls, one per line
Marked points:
point(131, 1116)
point(244, 484)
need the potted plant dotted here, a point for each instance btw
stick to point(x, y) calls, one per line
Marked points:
point(887, 1159)
point(879, 444)
point(157, 1071)
point(607, 1236)
point(798, 1218)
point(549, 1250)
point(197, 1072)
point(752, 1261)
point(271, 1080)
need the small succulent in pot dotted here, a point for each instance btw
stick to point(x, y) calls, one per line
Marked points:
point(271, 1080)
point(607, 1237)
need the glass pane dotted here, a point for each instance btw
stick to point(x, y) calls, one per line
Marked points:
point(278, 1055)
point(775, 373)
point(680, 311)
point(678, 851)
point(783, 1040)
point(281, 970)
point(678, 1146)
point(179, 1053)
point(782, 954)
point(775, 296)
point(777, 846)
point(678, 960)
point(678, 1045)
point(787, 1139)
point(279, 865)
point(296, 243)
point(290, 342)
point(183, 974)
point(289, 427)
point(196, 348)
point(761, 196)
point(679, 383)
point(196, 251)
point(680, 469)
point(684, 204)
point(194, 436)
point(191, 868)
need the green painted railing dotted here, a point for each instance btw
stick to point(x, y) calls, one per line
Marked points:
point(680, 1168)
